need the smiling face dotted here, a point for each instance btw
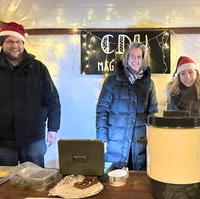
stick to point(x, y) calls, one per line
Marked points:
point(188, 77)
point(13, 47)
point(135, 58)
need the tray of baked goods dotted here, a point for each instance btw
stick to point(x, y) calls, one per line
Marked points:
point(5, 173)
point(77, 186)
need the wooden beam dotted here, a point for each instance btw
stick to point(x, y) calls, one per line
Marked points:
point(51, 31)
point(64, 31)
point(186, 30)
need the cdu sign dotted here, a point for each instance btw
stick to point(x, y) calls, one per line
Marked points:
point(101, 50)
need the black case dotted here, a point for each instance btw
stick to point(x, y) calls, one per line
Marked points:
point(81, 157)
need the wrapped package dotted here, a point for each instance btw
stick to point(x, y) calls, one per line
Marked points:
point(32, 176)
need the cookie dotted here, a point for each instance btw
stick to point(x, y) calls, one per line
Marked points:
point(86, 182)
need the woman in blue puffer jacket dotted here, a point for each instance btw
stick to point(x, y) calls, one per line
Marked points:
point(125, 101)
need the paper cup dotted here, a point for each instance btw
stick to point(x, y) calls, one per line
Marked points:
point(117, 177)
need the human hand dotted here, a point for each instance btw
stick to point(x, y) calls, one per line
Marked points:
point(51, 137)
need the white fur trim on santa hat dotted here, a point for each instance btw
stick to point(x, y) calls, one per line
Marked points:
point(13, 33)
point(187, 66)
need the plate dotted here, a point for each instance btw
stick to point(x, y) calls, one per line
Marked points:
point(65, 188)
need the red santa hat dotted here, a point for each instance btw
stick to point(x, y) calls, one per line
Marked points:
point(13, 29)
point(185, 63)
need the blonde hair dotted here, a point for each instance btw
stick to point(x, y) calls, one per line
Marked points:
point(125, 56)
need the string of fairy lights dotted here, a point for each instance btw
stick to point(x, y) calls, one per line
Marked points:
point(163, 44)
point(92, 44)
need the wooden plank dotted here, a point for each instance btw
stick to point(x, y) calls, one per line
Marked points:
point(63, 31)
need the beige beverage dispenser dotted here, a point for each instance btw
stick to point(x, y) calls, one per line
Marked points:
point(173, 156)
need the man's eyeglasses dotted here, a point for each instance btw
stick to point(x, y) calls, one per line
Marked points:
point(11, 42)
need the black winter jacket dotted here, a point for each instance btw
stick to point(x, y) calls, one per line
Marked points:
point(121, 117)
point(187, 99)
point(28, 98)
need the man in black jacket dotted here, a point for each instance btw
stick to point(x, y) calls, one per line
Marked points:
point(28, 99)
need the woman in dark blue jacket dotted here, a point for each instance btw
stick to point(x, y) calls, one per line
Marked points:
point(125, 101)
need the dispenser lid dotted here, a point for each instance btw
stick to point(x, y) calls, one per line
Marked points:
point(174, 119)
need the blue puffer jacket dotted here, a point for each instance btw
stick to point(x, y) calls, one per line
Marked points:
point(121, 116)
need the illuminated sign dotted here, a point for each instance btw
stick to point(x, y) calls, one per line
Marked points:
point(101, 50)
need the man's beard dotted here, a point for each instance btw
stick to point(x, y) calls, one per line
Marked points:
point(9, 57)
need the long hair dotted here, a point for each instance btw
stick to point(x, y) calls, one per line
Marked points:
point(125, 56)
point(173, 88)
